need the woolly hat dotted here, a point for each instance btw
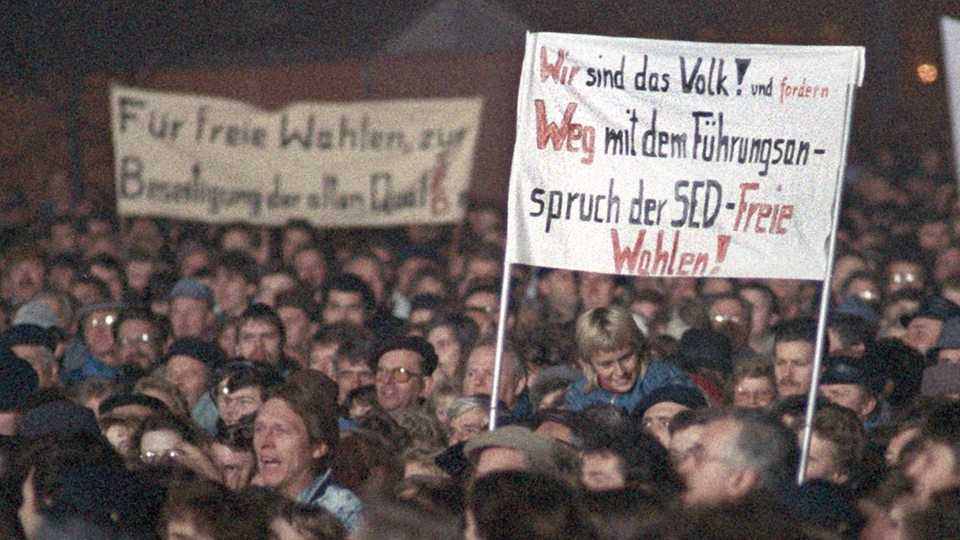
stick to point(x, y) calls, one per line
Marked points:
point(849, 370)
point(30, 334)
point(706, 348)
point(18, 380)
point(190, 287)
point(688, 396)
point(38, 313)
point(60, 417)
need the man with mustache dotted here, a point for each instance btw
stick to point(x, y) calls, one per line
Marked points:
point(793, 351)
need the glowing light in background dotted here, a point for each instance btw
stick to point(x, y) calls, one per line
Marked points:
point(927, 73)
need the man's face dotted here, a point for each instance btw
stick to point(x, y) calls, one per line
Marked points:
point(601, 471)
point(616, 370)
point(934, 235)
point(656, 420)
point(478, 376)
point(851, 396)
point(273, 284)
point(293, 240)
point(138, 273)
point(344, 306)
point(352, 373)
point(98, 332)
point(26, 278)
point(137, 343)
point(86, 294)
point(189, 375)
point(193, 263)
point(297, 325)
point(285, 456)
point(190, 317)
point(729, 316)
point(596, 290)
point(922, 333)
point(932, 469)
point(793, 367)
point(241, 402)
point(236, 466)
point(111, 277)
point(483, 307)
point(323, 357)
point(231, 292)
point(708, 473)
point(822, 460)
point(753, 392)
point(259, 340)
point(467, 426)
point(559, 288)
point(368, 269)
point(408, 268)
point(904, 275)
point(310, 267)
point(683, 440)
point(761, 311)
point(400, 380)
point(448, 350)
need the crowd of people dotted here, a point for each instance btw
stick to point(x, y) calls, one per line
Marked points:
point(164, 379)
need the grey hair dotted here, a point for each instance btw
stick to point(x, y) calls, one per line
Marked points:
point(764, 445)
point(466, 403)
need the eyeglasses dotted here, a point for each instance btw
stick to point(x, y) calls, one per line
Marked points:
point(720, 319)
point(904, 278)
point(142, 338)
point(398, 374)
point(165, 456)
point(489, 310)
point(102, 320)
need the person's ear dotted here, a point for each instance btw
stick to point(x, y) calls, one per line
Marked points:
point(742, 481)
point(868, 407)
point(427, 386)
point(319, 450)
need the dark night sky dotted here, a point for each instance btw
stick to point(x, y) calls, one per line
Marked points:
point(44, 38)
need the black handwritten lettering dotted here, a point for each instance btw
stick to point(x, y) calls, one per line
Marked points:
point(597, 208)
point(651, 81)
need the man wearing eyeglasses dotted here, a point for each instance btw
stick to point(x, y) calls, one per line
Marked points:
point(403, 374)
point(730, 315)
point(97, 356)
point(140, 338)
point(740, 452)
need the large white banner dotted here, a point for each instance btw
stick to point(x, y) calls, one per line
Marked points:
point(950, 33)
point(665, 158)
point(371, 163)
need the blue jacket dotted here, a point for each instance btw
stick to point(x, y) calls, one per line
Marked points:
point(658, 374)
point(341, 502)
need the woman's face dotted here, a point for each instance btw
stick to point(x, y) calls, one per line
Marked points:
point(617, 369)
